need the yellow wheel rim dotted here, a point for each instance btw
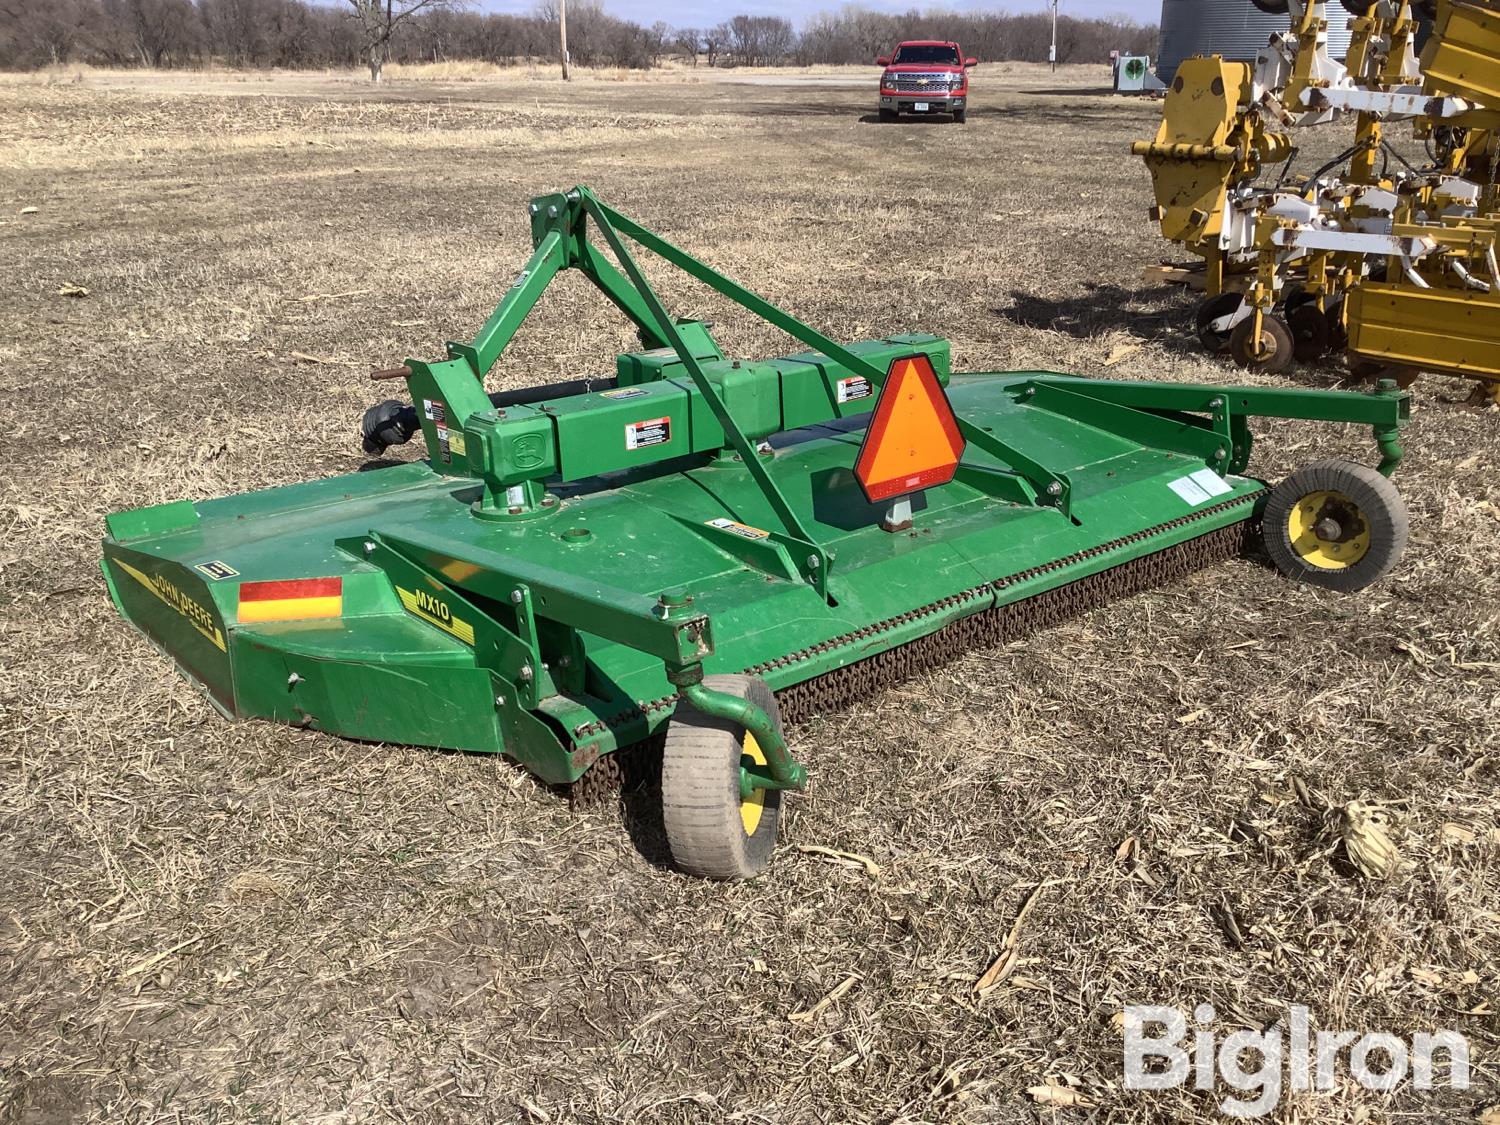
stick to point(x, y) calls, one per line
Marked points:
point(1318, 513)
point(753, 807)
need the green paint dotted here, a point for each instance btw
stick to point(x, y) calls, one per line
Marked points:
point(547, 588)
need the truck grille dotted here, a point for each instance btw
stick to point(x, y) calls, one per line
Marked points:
point(921, 83)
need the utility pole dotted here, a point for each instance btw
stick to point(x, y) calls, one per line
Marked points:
point(1052, 53)
point(562, 30)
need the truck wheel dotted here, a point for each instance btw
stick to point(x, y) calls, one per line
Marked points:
point(887, 115)
point(712, 831)
point(960, 116)
point(1335, 524)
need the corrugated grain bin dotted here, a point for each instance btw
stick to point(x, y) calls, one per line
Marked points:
point(1236, 29)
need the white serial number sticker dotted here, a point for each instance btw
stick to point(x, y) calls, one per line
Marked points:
point(1200, 487)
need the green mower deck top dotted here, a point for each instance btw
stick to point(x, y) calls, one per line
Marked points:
point(558, 576)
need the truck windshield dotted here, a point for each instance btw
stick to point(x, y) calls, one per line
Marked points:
point(926, 54)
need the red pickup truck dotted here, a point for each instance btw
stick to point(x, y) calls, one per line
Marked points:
point(925, 76)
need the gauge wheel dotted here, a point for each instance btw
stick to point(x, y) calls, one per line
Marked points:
point(1271, 353)
point(712, 831)
point(1335, 524)
point(1214, 341)
point(1310, 335)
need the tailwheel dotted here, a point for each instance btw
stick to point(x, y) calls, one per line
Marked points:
point(1270, 350)
point(1215, 308)
point(1335, 524)
point(1311, 337)
point(714, 829)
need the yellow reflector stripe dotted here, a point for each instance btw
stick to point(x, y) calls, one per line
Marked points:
point(292, 609)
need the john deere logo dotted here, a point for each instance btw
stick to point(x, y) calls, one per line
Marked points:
point(528, 451)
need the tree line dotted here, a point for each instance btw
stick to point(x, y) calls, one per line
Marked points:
point(301, 34)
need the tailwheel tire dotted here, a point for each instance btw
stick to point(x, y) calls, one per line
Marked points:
point(1311, 337)
point(1272, 352)
point(1335, 524)
point(711, 830)
point(1214, 341)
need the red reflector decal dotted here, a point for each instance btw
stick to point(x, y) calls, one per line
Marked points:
point(291, 588)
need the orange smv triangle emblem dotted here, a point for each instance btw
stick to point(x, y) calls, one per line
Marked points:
point(912, 441)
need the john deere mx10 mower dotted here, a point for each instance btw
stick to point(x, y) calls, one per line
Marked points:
point(693, 552)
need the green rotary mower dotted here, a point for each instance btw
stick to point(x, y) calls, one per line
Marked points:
point(691, 553)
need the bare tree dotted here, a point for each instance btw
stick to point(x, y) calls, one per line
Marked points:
point(688, 42)
point(379, 19)
point(49, 32)
point(715, 39)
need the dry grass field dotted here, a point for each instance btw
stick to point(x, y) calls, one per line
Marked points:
point(213, 922)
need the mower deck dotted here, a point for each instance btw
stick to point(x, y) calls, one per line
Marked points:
point(398, 662)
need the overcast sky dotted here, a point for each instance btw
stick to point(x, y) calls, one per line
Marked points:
point(701, 13)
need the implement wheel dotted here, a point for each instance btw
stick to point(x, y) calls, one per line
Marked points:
point(712, 831)
point(1335, 524)
point(1214, 341)
point(1272, 352)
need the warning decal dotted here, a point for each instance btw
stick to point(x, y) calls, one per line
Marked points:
point(653, 431)
point(743, 530)
point(854, 387)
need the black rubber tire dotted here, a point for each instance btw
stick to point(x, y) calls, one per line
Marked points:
point(1357, 7)
point(1310, 335)
point(887, 115)
point(1273, 7)
point(1210, 311)
point(700, 789)
point(1380, 505)
point(960, 116)
point(1276, 349)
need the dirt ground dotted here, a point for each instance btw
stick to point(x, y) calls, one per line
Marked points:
point(214, 922)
